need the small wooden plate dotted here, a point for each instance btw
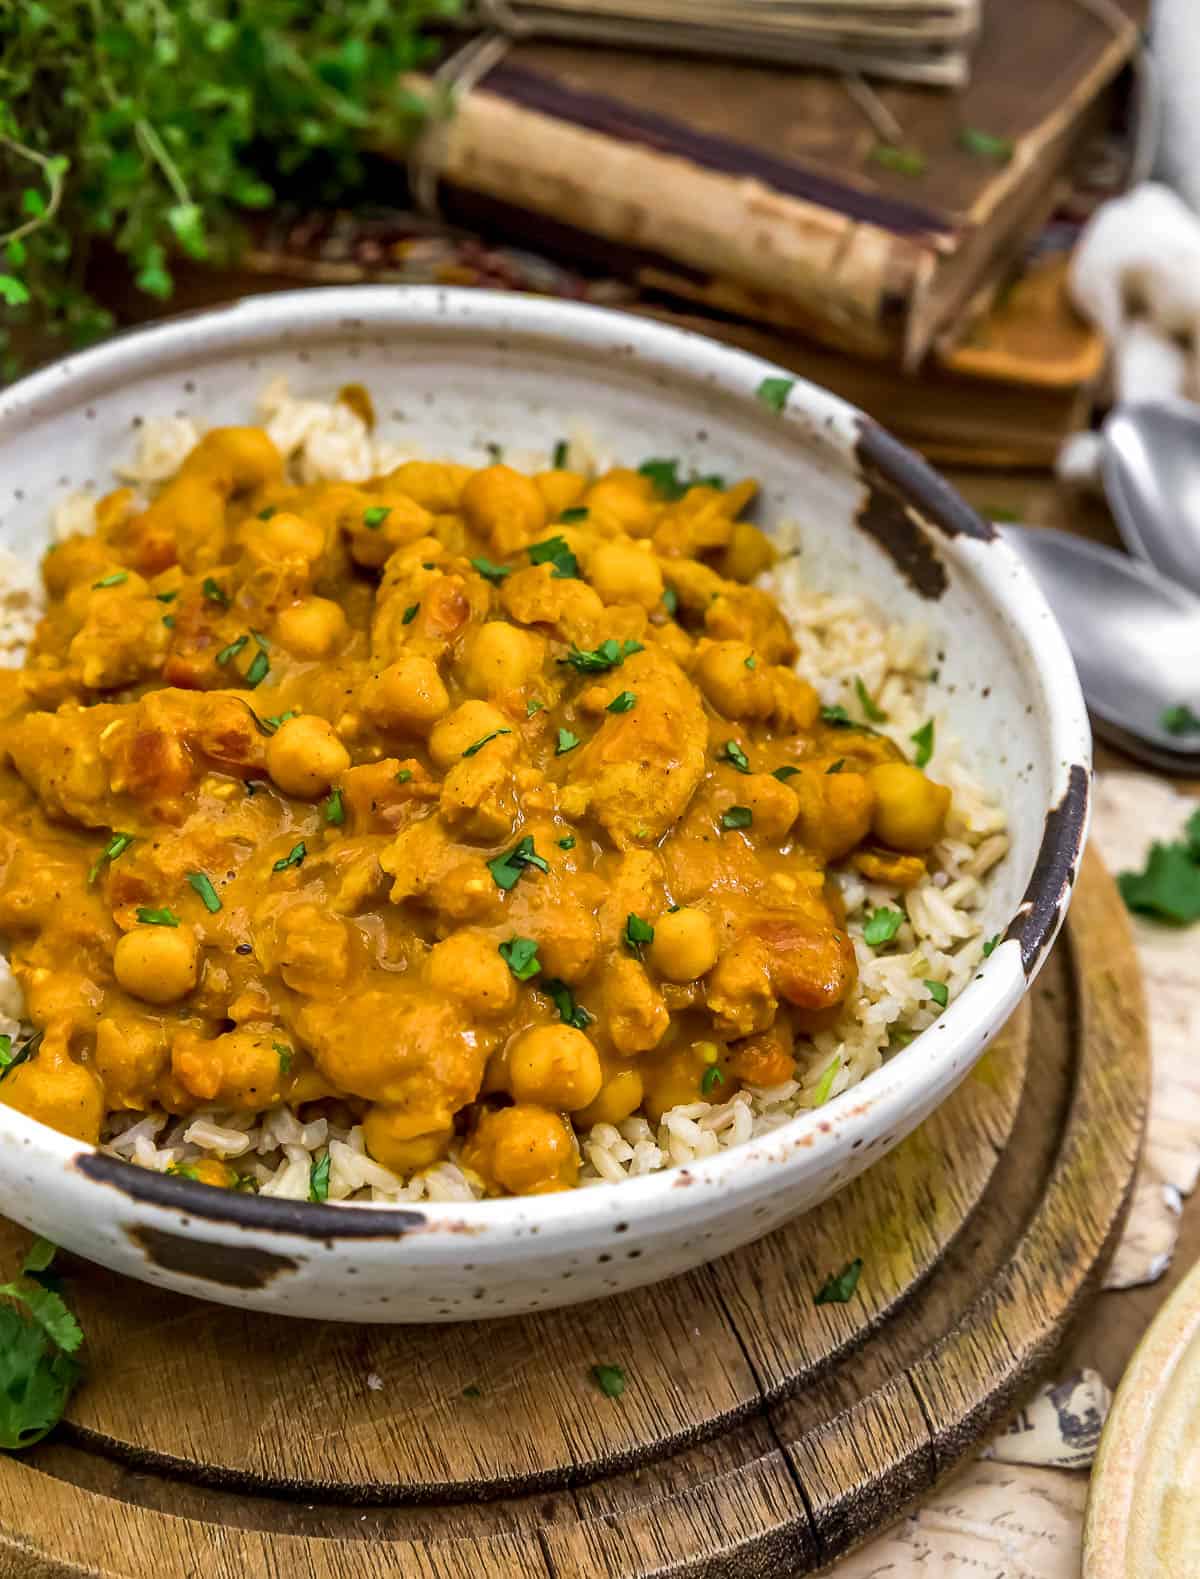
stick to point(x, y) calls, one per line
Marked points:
point(1143, 1513)
point(758, 1434)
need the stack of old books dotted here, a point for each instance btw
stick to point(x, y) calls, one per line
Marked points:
point(913, 40)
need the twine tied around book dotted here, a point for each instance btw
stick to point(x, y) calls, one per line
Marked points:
point(455, 77)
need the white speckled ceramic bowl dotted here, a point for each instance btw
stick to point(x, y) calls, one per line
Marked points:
point(452, 370)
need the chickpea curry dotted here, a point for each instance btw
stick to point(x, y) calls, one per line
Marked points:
point(484, 804)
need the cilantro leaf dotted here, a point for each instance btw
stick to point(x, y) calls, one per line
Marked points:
point(882, 926)
point(732, 753)
point(375, 516)
point(555, 551)
point(334, 809)
point(622, 702)
point(938, 991)
point(608, 655)
point(838, 1289)
point(214, 592)
point(506, 869)
point(711, 1078)
point(579, 512)
point(837, 716)
point(872, 712)
point(610, 1379)
point(664, 474)
point(559, 458)
point(1180, 720)
point(479, 744)
point(1168, 888)
point(410, 614)
point(737, 817)
point(825, 1084)
point(294, 857)
point(787, 771)
point(923, 740)
point(318, 1179)
point(985, 145)
point(493, 573)
point(774, 392)
point(990, 947)
point(520, 955)
point(905, 161)
point(566, 742)
point(569, 1012)
point(637, 932)
point(36, 1380)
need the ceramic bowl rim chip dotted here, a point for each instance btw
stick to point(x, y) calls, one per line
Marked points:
point(919, 521)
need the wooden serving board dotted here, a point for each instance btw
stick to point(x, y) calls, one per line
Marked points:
point(758, 1433)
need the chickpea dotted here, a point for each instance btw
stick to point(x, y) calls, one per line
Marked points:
point(505, 507)
point(554, 1065)
point(748, 553)
point(409, 694)
point(624, 500)
point(619, 1097)
point(55, 1090)
point(240, 1069)
point(305, 756)
point(437, 485)
point(462, 728)
point(624, 573)
point(731, 687)
point(525, 1150)
point(405, 1141)
point(677, 1077)
point(468, 966)
point(910, 810)
point(157, 964)
point(311, 628)
point(501, 658)
point(560, 490)
point(774, 805)
point(685, 944)
point(236, 458)
point(288, 536)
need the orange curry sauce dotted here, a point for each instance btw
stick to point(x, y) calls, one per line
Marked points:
point(485, 805)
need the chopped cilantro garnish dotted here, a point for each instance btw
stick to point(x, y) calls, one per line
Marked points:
point(166, 597)
point(205, 889)
point(737, 817)
point(318, 1179)
point(5, 1050)
point(294, 857)
point(285, 1057)
point(555, 551)
point(169, 621)
point(837, 716)
point(732, 753)
point(115, 848)
point(404, 775)
point(711, 1077)
point(608, 655)
point(622, 702)
point(905, 161)
point(533, 706)
point(214, 592)
point(376, 516)
point(882, 925)
point(235, 646)
point(637, 932)
point(1180, 720)
point(164, 916)
point(610, 1379)
point(992, 944)
point(559, 458)
point(22, 1055)
point(490, 572)
point(569, 1012)
point(335, 808)
point(118, 578)
point(836, 767)
point(472, 1391)
point(839, 1289)
point(670, 601)
point(985, 145)
point(872, 712)
point(664, 474)
point(270, 725)
point(825, 1083)
point(566, 742)
point(410, 614)
point(923, 740)
point(787, 771)
point(520, 955)
point(260, 667)
point(579, 512)
point(774, 392)
point(268, 512)
point(479, 744)
point(567, 843)
point(751, 662)
point(506, 869)
point(938, 991)
point(496, 451)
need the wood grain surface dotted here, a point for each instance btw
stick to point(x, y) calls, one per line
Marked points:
point(758, 1434)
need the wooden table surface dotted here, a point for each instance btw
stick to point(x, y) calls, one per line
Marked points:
point(1110, 1331)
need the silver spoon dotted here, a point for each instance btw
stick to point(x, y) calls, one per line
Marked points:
point(1135, 638)
point(1150, 456)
